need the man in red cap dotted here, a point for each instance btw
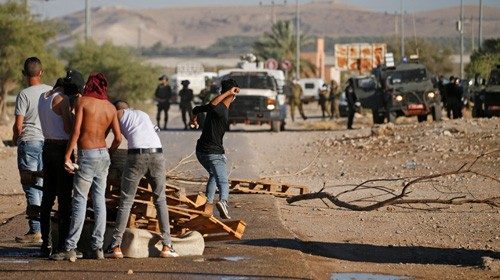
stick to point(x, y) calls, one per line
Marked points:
point(94, 117)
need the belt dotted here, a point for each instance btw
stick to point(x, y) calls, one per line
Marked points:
point(56, 141)
point(145, 151)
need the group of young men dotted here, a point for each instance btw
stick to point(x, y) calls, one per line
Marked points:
point(62, 131)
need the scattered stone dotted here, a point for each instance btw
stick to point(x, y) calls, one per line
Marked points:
point(130, 271)
point(492, 264)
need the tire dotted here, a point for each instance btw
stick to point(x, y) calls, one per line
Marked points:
point(377, 119)
point(437, 113)
point(275, 126)
point(422, 118)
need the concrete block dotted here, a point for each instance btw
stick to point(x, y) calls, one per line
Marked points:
point(138, 243)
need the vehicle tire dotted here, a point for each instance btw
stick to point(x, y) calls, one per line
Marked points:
point(437, 113)
point(275, 126)
point(422, 118)
point(392, 117)
point(377, 119)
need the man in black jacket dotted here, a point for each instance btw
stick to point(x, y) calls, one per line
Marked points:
point(352, 103)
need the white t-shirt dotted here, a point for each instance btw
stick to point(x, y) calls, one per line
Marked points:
point(138, 129)
point(27, 106)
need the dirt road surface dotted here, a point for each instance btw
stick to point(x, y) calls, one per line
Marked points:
point(315, 239)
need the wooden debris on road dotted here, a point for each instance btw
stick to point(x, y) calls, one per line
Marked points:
point(267, 187)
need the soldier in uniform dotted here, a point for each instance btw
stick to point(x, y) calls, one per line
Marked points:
point(352, 103)
point(333, 102)
point(186, 95)
point(163, 94)
point(322, 101)
point(296, 100)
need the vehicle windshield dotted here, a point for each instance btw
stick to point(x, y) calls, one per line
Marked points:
point(366, 84)
point(408, 76)
point(254, 80)
point(494, 78)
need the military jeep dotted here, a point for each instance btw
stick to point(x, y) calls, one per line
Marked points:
point(406, 91)
point(487, 101)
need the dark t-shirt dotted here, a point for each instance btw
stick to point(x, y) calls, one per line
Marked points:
point(210, 141)
point(164, 93)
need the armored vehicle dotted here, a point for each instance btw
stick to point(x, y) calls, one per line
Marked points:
point(487, 101)
point(406, 91)
point(258, 101)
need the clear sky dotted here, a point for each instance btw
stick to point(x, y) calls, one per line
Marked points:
point(55, 8)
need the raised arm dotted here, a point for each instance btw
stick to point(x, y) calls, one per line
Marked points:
point(228, 95)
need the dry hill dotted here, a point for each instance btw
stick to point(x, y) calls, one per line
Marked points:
point(201, 26)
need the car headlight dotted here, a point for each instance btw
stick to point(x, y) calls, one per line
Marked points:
point(431, 94)
point(399, 98)
point(271, 104)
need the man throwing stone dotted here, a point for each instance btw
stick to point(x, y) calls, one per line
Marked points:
point(145, 158)
point(209, 148)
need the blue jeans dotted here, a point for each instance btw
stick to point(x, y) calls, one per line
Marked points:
point(91, 176)
point(29, 157)
point(153, 167)
point(215, 164)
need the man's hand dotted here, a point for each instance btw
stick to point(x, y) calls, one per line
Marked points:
point(68, 166)
point(194, 122)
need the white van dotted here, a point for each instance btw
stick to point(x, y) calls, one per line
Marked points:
point(311, 88)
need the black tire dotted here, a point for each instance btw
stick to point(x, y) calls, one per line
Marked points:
point(437, 113)
point(275, 126)
point(377, 118)
point(422, 118)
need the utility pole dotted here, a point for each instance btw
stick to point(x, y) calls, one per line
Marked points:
point(297, 53)
point(402, 32)
point(480, 24)
point(472, 39)
point(461, 39)
point(88, 31)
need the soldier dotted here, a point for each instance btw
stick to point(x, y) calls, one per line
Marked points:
point(296, 100)
point(163, 94)
point(186, 95)
point(447, 94)
point(352, 103)
point(322, 101)
point(333, 103)
point(454, 99)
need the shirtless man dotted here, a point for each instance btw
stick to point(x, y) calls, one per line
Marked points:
point(95, 116)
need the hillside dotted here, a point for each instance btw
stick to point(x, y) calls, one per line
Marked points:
point(202, 26)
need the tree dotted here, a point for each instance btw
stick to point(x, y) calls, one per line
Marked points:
point(483, 60)
point(435, 57)
point(281, 44)
point(23, 36)
point(128, 76)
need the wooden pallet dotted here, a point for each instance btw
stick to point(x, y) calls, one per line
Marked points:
point(263, 187)
point(215, 230)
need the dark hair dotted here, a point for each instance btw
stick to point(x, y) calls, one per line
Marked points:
point(73, 82)
point(32, 67)
point(227, 85)
point(120, 103)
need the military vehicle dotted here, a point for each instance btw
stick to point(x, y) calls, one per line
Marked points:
point(406, 91)
point(259, 101)
point(487, 101)
point(367, 91)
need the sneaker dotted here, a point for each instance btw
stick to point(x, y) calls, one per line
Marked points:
point(114, 253)
point(30, 237)
point(98, 254)
point(222, 207)
point(64, 255)
point(168, 252)
point(79, 255)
